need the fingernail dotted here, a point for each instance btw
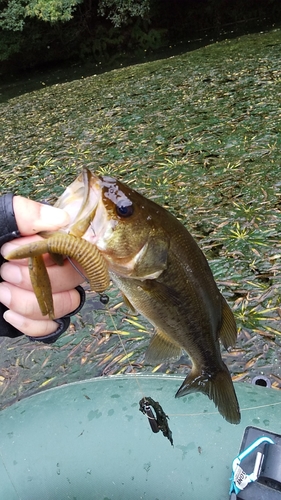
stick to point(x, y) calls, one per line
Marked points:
point(7, 248)
point(5, 295)
point(52, 216)
point(11, 273)
point(13, 318)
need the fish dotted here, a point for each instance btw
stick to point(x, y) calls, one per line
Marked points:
point(163, 275)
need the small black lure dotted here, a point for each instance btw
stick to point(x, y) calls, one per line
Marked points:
point(159, 421)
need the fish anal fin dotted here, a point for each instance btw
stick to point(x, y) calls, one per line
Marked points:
point(228, 330)
point(162, 348)
point(219, 388)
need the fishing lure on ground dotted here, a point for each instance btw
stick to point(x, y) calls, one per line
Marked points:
point(159, 421)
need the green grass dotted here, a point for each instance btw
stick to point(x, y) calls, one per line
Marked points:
point(199, 134)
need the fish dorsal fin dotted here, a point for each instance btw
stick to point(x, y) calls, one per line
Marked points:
point(162, 348)
point(228, 330)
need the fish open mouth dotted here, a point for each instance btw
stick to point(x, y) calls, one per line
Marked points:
point(81, 200)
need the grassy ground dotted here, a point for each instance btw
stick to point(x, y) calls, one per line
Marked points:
point(200, 134)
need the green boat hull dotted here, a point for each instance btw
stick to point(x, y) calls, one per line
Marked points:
point(88, 440)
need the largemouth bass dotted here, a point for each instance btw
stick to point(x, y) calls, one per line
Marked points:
point(163, 275)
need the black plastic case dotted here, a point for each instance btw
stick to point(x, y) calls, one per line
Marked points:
point(268, 484)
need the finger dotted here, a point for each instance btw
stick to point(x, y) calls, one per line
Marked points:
point(33, 217)
point(30, 327)
point(25, 303)
point(62, 278)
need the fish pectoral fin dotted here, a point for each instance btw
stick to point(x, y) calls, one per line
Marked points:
point(228, 330)
point(152, 259)
point(161, 292)
point(162, 348)
point(128, 303)
point(218, 387)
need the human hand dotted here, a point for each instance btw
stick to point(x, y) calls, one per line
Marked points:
point(16, 291)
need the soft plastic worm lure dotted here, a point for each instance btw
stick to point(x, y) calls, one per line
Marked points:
point(86, 254)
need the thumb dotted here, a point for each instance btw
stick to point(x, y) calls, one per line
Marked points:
point(33, 217)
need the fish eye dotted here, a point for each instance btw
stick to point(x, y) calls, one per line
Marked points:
point(124, 210)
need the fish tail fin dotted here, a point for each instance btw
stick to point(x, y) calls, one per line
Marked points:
point(219, 388)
